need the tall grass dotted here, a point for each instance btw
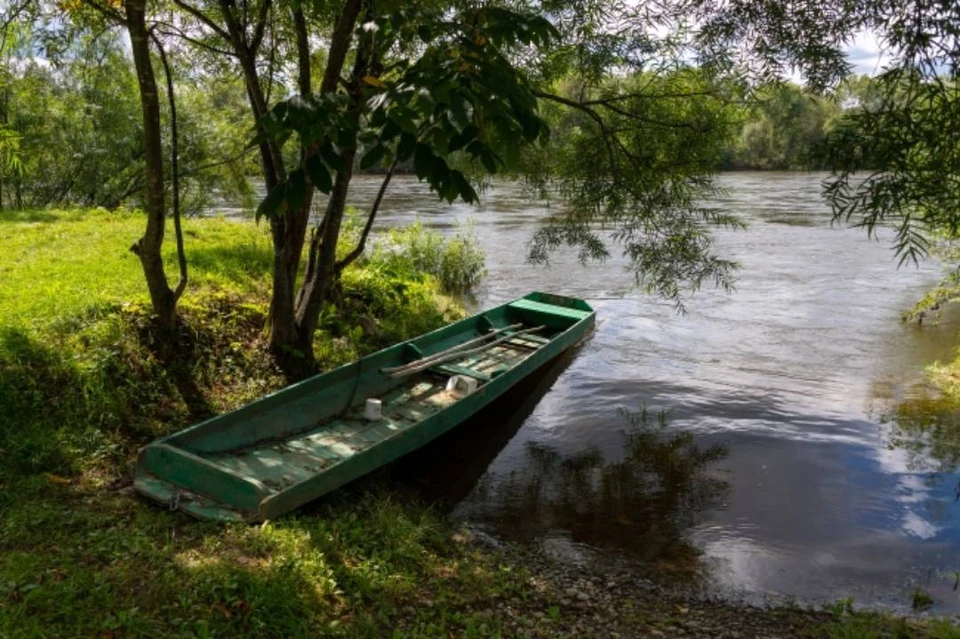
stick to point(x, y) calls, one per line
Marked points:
point(456, 262)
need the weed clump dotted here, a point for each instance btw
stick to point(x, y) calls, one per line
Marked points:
point(457, 262)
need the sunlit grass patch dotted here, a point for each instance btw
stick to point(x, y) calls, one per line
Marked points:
point(81, 384)
point(58, 264)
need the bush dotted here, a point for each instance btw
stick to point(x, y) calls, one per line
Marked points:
point(456, 262)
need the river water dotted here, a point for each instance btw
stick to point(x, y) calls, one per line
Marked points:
point(801, 455)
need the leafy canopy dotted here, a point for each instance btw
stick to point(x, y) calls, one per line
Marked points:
point(462, 96)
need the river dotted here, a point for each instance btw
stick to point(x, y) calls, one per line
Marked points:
point(800, 456)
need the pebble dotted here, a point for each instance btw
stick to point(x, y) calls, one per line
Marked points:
point(593, 603)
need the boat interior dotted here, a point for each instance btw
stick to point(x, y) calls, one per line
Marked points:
point(307, 429)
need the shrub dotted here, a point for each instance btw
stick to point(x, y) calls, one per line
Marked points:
point(456, 262)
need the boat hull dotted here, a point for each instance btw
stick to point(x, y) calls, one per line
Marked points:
point(305, 441)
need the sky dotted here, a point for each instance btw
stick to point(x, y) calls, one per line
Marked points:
point(865, 54)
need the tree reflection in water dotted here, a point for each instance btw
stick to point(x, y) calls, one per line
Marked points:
point(927, 428)
point(641, 504)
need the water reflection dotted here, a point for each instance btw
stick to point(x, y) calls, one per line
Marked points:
point(922, 435)
point(927, 429)
point(641, 504)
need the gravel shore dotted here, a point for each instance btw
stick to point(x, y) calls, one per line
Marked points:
point(580, 599)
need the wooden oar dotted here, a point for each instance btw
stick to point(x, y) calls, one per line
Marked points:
point(420, 365)
point(452, 349)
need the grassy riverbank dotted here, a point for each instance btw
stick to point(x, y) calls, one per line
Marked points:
point(81, 389)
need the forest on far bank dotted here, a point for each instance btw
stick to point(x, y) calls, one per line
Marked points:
point(71, 129)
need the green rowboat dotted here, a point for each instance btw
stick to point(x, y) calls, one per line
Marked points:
point(304, 441)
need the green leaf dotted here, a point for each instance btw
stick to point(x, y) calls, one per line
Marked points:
point(463, 138)
point(439, 173)
point(274, 203)
point(405, 118)
point(346, 138)
point(489, 160)
point(379, 116)
point(531, 126)
point(476, 148)
point(296, 190)
point(405, 147)
point(332, 158)
point(422, 161)
point(390, 130)
point(448, 191)
point(372, 157)
point(257, 140)
point(319, 174)
point(458, 107)
point(467, 194)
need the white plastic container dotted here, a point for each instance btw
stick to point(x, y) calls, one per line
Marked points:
point(461, 385)
point(373, 410)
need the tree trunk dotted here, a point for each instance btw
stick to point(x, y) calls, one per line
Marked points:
point(291, 323)
point(148, 247)
point(289, 231)
point(322, 276)
point(294, 317)
point(320, 281)
point(289, 236)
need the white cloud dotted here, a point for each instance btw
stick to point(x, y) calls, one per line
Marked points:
point(866, 54)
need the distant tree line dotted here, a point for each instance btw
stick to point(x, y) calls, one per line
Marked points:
point(70, 130)
point(785, 127)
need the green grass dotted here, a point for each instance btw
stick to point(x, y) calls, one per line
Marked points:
point(80, 384)
point(57, 265)
point(876, 625)
point(107, 565)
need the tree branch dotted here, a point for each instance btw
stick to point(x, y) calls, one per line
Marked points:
point(303, 50)
point(648, 96)
point(213, 165)
point(361, 245)
point(109, 13)
point(175, 31)
point(340, 45)
point(261, 25)
point(10, 18)
point(174, 171)
point(640, 118)
point(604, 130)
point(202, 17)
